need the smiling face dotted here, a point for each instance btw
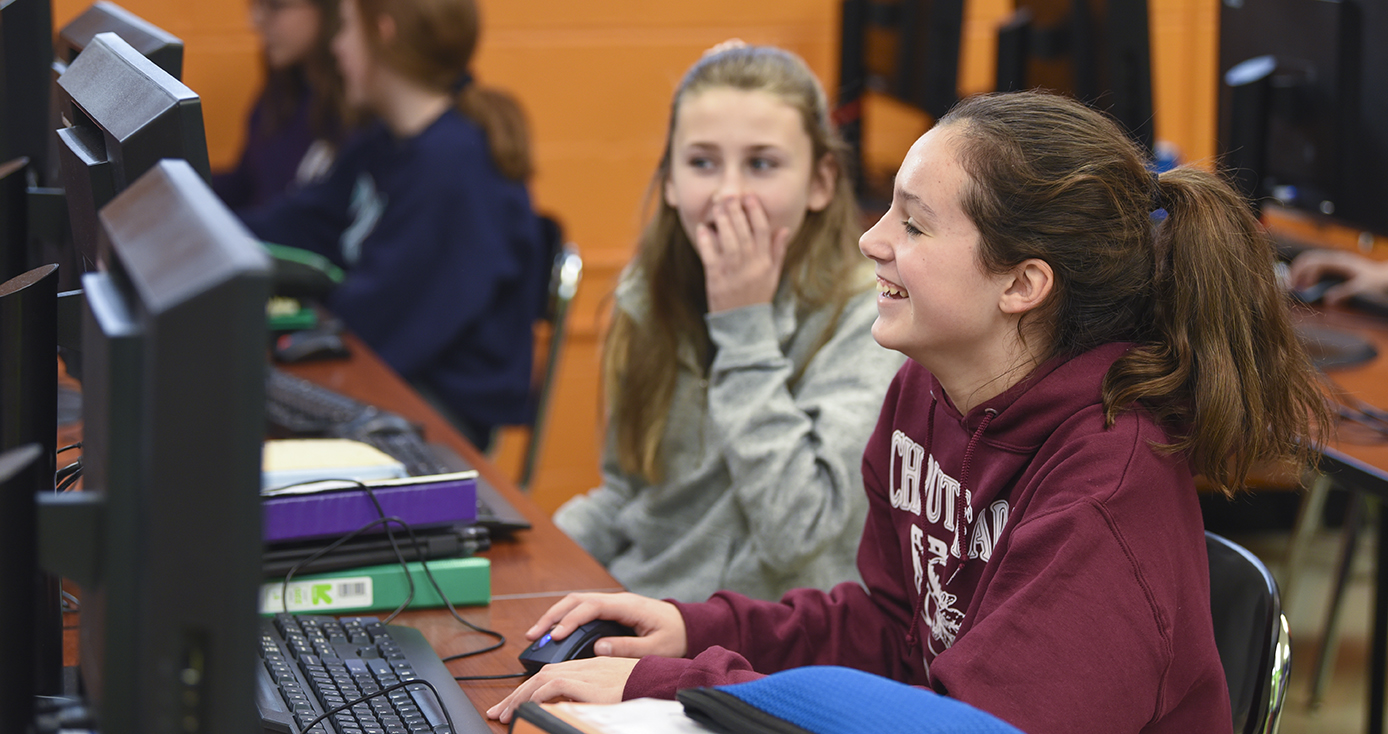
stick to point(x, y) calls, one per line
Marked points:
point(937, 305)
point(729, 142)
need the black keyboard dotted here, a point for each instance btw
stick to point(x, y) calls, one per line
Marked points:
point(312, 664)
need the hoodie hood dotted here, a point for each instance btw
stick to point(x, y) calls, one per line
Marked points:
point(987, 448)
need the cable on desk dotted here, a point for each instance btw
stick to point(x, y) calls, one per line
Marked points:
point(409, 578)
point(284, 585)
point(503, 676)
point(392, 687)
point(69, 447)
point(1354, 412)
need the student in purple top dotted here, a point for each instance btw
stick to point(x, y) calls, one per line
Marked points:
point(427, 211)
point(300, 119)
point(1083, 336)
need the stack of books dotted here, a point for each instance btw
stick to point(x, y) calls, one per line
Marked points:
point(327, 504)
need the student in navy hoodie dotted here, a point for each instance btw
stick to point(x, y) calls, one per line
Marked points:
point(1084, 336)
point(428, 213)
point(300, 119)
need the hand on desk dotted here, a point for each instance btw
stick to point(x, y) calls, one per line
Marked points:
point(658, 624)
point(1361, 275)
point(595, 680)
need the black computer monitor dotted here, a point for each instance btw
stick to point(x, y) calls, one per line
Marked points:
point(905, 49)
point(153, 42)
point(175, 358)
point(1290, 74)
point(15, 255)
point(26, 50)
point(1098, 51)
point(123, 114)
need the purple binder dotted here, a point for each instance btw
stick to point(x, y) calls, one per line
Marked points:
point(338, 509)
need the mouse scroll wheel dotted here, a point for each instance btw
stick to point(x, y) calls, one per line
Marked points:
point(543, 641)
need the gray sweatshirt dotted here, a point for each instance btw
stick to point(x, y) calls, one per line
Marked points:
point(763, 487)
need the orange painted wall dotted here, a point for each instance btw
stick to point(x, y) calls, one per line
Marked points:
point(596, 77)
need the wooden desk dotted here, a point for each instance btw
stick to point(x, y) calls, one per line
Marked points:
point(1356, 461)
point(529, 572)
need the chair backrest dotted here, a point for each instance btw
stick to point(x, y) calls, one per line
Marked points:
point(907, 49)
point(1251, 634)
point(566, 270)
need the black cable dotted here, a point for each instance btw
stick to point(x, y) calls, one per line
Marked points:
point(394, 686)
point(69, 447)
point(423, 563)
point(68, 482)
point(490, 677)
point(1356, 412)
point(68, 475)
point(70, 603)
point(284, 585)
point(409, 578)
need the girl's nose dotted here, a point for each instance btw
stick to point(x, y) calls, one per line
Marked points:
point(873, 243)
point(731, 186)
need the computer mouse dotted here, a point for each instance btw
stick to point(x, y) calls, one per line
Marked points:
point(1373, 304)
point(579, 644)
point(1314, 292)
point(303, 346)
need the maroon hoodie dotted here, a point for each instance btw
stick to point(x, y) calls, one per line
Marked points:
point(1080, 600)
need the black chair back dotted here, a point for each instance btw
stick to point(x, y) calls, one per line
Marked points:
point(1247, 612)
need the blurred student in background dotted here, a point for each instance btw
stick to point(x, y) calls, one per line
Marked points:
point(300, 119)
point(427, 211)
point(740, 371)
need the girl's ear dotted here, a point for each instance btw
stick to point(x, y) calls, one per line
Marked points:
point(822, 183)
point(1032, 282)
point(670, 194)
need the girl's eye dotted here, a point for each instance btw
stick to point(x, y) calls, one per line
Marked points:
point(761, 164)
point(701, 163)
point(910, 228)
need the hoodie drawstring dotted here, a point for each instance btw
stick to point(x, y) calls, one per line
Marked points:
point(961, 528)
point(961, 531)
point(911, 638)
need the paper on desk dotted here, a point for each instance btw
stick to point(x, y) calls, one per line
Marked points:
point(299, 460)
point(637, 716)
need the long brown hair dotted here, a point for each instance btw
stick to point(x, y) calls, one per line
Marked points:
point(433, 45)
point(315, 78)
point(1177, 264)
point(640, 358)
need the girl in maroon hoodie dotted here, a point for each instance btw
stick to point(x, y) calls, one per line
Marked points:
point(1084, 336)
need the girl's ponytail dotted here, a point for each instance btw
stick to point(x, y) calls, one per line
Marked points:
point(1222, 362)
point(503, 120)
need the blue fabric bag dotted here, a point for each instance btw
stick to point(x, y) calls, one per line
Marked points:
point(834, 700)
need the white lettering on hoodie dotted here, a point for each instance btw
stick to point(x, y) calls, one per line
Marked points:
point(928, 552)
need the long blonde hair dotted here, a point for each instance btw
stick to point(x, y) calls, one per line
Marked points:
point(639, 361)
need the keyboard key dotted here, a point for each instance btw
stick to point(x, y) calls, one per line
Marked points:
point(317, 679)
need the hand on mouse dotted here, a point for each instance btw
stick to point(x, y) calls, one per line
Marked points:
point(1361, 275)
point(659, 625)
point(594, 680)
